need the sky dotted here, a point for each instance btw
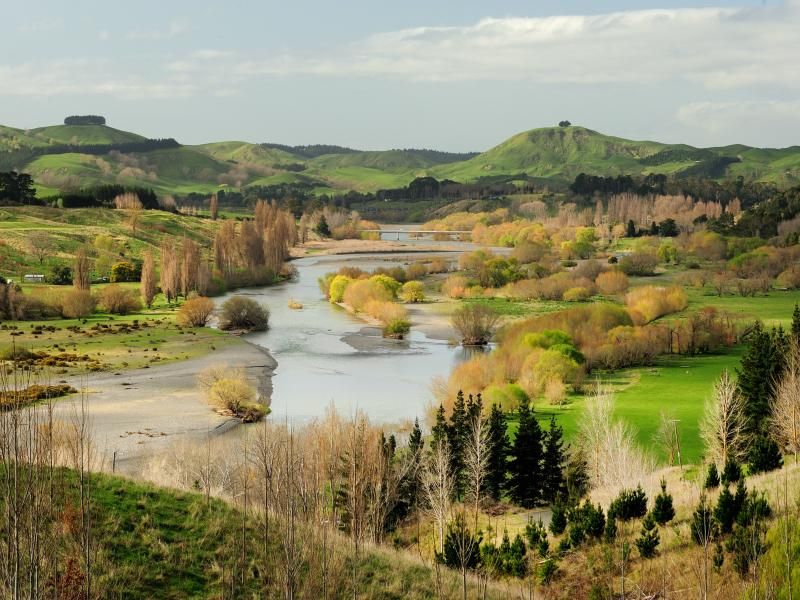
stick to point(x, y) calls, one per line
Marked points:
point(456, 76)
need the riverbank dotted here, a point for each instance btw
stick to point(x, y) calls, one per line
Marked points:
point(138, 413)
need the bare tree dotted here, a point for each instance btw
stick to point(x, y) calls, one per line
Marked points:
point(147, 285)
point(213, 206)
point(785, 408)
point(724, 422)
point(666, 436)
point(476, 461)
point(190, 264)
point(40, 245)
point(130, 203)
point(170, 276)
point(81, 277)
point(475, 324)
point(437, 487)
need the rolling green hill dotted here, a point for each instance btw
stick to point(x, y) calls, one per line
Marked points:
point(556, 154)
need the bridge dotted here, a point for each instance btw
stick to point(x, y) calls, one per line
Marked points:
point(415, 232)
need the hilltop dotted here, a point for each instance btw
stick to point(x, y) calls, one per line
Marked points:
point(73, 156)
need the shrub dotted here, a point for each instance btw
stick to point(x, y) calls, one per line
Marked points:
point(507, 396)
point(337, 287)
point(790, 278)
point(612, 282)
point(237, 397)
point(195, 312)
point(415, 270)
point(118, 300)
point(475, 324)
point(638, 264)
point(76, 304)
point(390, 284)
point(243, 313)
point(649, 302)
point(576, 294)
point(555, 391)
point(124, 271)
point(455, 286)
point(412, 291)
point(59, 275)
point(648, 539)
point(397, 328)
point(360, 293)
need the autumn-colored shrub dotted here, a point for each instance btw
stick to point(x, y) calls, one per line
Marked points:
point(576, 294)
point(475, 324)
point(555, 391)
point(75, 304)
point(507, 396)
point(611, 283)
point(639, 264)
point(118, 300)
point(412, 291)
point(195, 312)
point(337, 287)
point(455, 286)
point(790, 278)
point(416, 270)
point(438, 266)
point(358, 293)
point(649, 302)
point(235, 396)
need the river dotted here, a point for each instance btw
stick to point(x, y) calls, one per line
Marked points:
point(327, 356)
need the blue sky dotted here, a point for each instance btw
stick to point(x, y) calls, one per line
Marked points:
point(449, 75)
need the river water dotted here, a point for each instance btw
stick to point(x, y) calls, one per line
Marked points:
point(326, 356)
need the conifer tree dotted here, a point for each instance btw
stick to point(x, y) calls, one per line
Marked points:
point(712, 478)
point(439, 430)
point(760, 366)
point(725, 511)
point(732, 472)
point(457, 433)
point(497, 466)
point(553, 459)
point(663, 510)
point(796, 323)
point(649, 538)
point(525, 468)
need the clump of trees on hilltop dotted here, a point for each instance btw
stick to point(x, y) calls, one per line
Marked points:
point(85, 120)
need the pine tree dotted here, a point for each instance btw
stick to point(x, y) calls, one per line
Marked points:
point(409, 485)
point(732, 472)
point(525, 468)
point(631, 229)
point(553, 459)
point(759, 368)
point(439, 430)
point(703, 526)
point(322, 227)
point(649, 538)
point(725, 511)
point(610, 531)
point(497, 450)
point(663, 510)
point(558, 519)
point(415, 441)
point(796, 323)
point(764, 455)
point(457, 433)
point(712, 478)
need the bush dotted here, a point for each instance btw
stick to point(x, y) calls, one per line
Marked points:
point(396, 328)
point(612, 282)
point(124, 271)
point(412, 291)
point(576, 294)
point(237, 397)
point(416, 270)
point(455, 286)
point(555, 391)
point(638, 264)
point(195, 312)
point(118, 300)
point(243, 313)
point(649, 302)
point(337, 287)
point(76, 304)
point(507, 396)
point(475, 324)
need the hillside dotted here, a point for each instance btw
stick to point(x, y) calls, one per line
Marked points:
point(54, 157)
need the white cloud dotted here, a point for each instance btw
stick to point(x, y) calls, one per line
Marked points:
point(717, 47)
point(175, 29)
point(748, 118)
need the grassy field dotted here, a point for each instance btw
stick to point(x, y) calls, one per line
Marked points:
point(678, 386)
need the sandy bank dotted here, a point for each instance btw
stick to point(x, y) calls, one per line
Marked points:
point(138, 413)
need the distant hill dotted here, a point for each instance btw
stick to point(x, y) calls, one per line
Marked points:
point(54, 156)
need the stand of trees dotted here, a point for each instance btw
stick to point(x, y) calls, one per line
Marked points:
point(16, 188)
point(85, 120)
